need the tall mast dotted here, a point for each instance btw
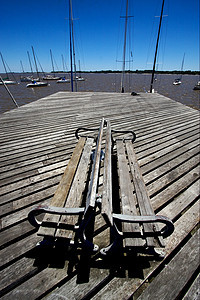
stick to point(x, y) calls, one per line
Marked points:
point(79, 68)
point(154, 64)
point(35, 62)
point(30, 62)
point(70, 40)
point(52, 62)
point(72, 31)
point(22, 66)
point(4, 65)
point(182, 66)
point(63, 63)
point(124, 50)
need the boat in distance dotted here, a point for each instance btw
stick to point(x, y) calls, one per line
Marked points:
point(63, 80)
point(177, 82)
point(37, 84)
point(9, 82)
point(197, 86)
point(50, 77)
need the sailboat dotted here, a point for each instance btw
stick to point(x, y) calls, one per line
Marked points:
point(36, 83)
point(80, 78)
point(177, 81)
point(197, 86)
point(50, 77)
point(32, 77)
point(63, 79)
point(24, 78)
point(6, 80)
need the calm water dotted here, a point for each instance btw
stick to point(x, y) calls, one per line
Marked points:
point(106, 83)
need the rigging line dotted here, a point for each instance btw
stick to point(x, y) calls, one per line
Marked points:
point(52, 61)
point(40, 65)
point(11, 71)
point(30, 62)
point(4, 64)
point(13, 99)
point(35, 62)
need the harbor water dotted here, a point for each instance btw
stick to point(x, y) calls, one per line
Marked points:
point(105, 82)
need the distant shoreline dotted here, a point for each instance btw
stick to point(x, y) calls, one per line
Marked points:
point(188, 72)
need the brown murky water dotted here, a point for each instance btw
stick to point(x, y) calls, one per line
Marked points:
point(102, 82)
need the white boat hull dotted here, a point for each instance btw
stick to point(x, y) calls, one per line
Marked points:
point(63, 81)
point(37, 84)
point(8, 82)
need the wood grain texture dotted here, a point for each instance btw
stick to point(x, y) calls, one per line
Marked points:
point(36, 143)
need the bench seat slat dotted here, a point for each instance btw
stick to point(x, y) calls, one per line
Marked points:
point(62, 190)
point(127, 198)
point(107, 208)
point(140, 190)
point(76, 193)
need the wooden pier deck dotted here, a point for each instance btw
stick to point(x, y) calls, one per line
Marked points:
point(36, 141)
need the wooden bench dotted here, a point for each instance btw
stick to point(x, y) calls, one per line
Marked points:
point(73, 204)
point(136, 224)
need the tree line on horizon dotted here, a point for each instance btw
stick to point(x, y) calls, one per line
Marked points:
point(187, 72)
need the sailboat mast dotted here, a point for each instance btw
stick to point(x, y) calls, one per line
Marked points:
point(52, 62)
point(4, 65)
point(72, 31)
point(154, 64)
point(79, 68)
point(63, 63)
point(124, 50)
point(30, 62)
point(70, 41)
point(22, 66)
point(35, 62)
point(182, 65)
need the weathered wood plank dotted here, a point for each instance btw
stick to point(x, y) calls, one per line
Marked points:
point(194, 291)
point(170, 282)
point(107, 207)
point(62, 190)
point(128, 200)
point(76, 193)
point(33, 153)
point(127, 286)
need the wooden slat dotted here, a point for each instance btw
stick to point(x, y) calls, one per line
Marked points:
point(76, 193)
point(107, 207)
point(127, 197)
point(34, 151)
point(141, 191)
point(62, 190)
point(170, 282)
point(194, 291)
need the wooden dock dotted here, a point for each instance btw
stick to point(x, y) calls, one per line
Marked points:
point(36, 141)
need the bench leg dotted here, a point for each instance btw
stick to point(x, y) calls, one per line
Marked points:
point(82, 236)
point(157, 252)
point(115, 247)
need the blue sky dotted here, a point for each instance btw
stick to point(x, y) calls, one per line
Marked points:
point(98, 31)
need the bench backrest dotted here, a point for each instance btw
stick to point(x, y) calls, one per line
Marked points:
point(107, 209)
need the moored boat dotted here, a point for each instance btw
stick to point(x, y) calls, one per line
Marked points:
point(37, 84)
point(177, 81)
point(197, 86)
point(63, 80)
point(8, 82)
point(50, 77)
